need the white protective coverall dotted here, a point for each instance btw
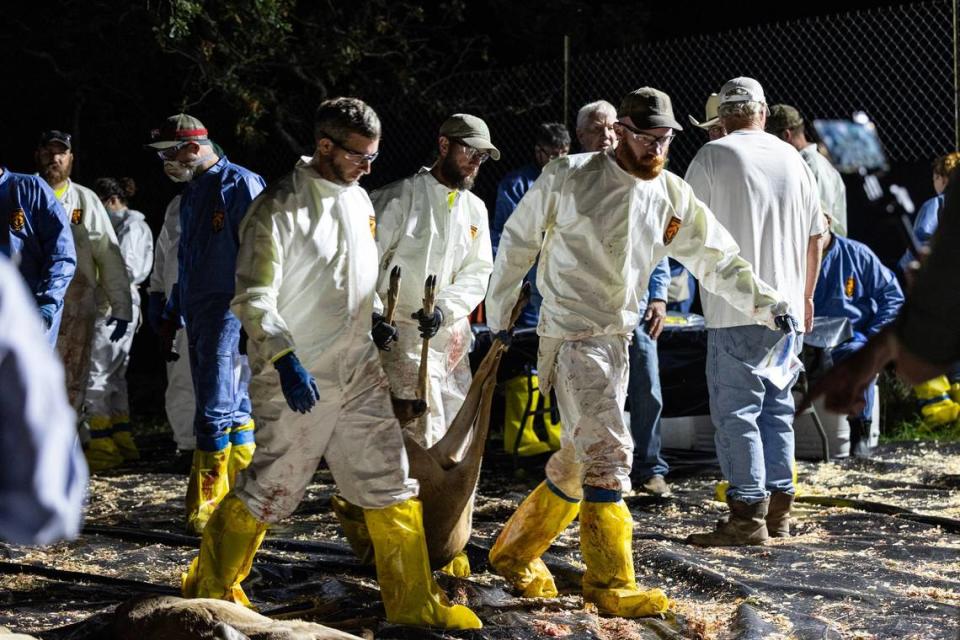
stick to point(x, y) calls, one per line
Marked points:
point(44, 476)
point(600, 232)
point(107, 391)
point(306, 282)
point(833, 193)
point(179, 400)
point(100, 286)
point(429, 229)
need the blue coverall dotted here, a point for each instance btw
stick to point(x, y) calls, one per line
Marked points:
point(854, 284)
point(509, 193)
point(211, 208)
point(40, 240)
point(924, 226)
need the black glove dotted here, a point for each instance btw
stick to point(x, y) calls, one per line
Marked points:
point(786, 323)
point(505, 337)
point(384, 333)
point(429, 325)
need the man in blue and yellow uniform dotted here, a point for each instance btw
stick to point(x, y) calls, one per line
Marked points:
point(212, 205)
point(854, 284)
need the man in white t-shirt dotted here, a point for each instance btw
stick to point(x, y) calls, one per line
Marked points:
point(762, 192)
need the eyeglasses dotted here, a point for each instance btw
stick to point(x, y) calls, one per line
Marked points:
point(473, 154)
point(645, 139)
point(355, 157)
point(171, 152)
point(552, 153)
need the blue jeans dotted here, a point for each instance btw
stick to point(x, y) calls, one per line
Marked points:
point(646, 403)
point(213, 335)
point(753, 419)
point(842, 352)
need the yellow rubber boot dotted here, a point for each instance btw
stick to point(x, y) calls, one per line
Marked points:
point(354, 526)
point(207, 486)
point(720, 491)
point(410, 594)
point(528, 533)
point(242, 447)
point(606, 532)
point(936, 407)
point(518, 396)
point(459, 567)
point(123, 437)
point(102, 452)
point(955, 392)
point(230, 540)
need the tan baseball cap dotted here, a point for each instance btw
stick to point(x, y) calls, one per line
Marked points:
point(177, 129)
point(471, 130)
point(712, 119)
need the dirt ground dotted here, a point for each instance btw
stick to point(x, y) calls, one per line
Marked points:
point(876, 555)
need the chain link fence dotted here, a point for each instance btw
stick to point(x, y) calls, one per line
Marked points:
point(894, 63)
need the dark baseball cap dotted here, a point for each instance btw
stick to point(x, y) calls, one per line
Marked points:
point(55, 136)
point(783, 117)
point(472, 130)
point(177, 129)
point(649, 108)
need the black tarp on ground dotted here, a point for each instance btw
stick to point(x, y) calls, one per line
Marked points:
point(877, 555)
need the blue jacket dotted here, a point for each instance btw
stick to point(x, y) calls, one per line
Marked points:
point(924, 226)
point(211, 208)
point(854, 284)
point(39, 237)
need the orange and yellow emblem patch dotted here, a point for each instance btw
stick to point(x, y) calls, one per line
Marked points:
point(473, 232)
point(671, 231)
point(219, 218)
point(18, 220)
point(373, 227)
point(849, 286)
point(76, 216)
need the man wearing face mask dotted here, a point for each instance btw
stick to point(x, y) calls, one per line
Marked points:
point(39, 242)
point(601, 222)
point(214, 201)
point(306, 292)
point(107, 404)
point(100, 285)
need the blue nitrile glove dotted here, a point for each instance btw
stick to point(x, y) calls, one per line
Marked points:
point(786, 323)
point(299, 387)
point(47, 312)
point(156, 302)
point(384, 334)
point(429, 325)
point(119, 330)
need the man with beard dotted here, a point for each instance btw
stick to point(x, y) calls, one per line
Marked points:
point(760, 189)
point(40, 243)
point(100, 286)
point(600, 223)
point(212, 204)
point(431, 224)
point(306, 292)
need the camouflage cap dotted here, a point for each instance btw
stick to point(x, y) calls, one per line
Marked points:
point(783, 117)
point(177, 129)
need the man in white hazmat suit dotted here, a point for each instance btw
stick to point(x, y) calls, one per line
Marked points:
point(306, 292)
point(601, 222)
point(107, 400)
point(100, 285)
point(762, 191)
point(179, 401)
point(431, 224)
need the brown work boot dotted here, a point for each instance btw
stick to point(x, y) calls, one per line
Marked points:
point(656, 485)
point(778, 515)
point(746, 525)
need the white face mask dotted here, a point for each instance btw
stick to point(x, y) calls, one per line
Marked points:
point(184, 171)
point(177, 172)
